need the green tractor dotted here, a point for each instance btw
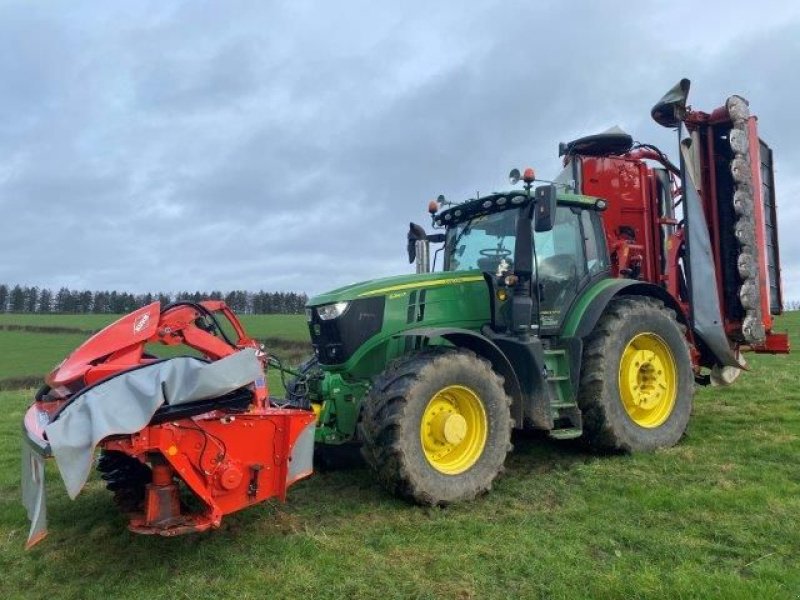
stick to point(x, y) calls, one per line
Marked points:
point(585, 307)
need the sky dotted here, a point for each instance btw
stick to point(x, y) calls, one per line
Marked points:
point(163, 146)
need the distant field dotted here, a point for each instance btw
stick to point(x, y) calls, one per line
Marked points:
point(714, 517)
point(291, 327)
point(23, 353)
point(30, 355)
point(77, 321)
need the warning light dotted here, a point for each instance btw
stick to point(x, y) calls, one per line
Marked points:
point(528, 176)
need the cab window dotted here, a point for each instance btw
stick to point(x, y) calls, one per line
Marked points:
point(561, 264)
point(481, 243)
point(596, 256)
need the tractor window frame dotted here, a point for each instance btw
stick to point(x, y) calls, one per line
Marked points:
point(594, 243)
point(587, 218)
point(567, 290)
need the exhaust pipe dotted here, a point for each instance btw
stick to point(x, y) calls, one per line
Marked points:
point(422, 260)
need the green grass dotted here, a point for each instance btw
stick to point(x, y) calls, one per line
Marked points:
point(714, 517)
point(291, 327)
point(34, 354)
point(88, 322)
point(30, 355)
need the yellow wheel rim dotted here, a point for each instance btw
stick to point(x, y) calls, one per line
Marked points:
point(454, 429)
point(648, 381)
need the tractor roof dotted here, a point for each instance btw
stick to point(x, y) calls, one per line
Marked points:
point(500, 201)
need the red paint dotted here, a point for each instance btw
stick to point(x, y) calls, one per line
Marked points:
point(628, 219)
point(228, 459)
point(118, 338)
point(121, 345)
point(776, 343)
point(758, 216)
point(632, 220)
point(254, 446)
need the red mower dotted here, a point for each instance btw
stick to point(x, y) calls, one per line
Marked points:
point(183, 440)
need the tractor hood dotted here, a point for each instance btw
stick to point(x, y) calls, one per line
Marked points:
point(390, 285)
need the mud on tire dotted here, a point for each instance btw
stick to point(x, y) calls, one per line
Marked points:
point(606, 422)
point(392, 417)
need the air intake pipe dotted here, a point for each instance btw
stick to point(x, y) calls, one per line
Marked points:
point(422, 260)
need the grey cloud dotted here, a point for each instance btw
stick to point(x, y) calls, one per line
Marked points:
point(227, 145)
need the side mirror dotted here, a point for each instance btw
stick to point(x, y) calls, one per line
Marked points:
point(415, 234)
point(545, 212)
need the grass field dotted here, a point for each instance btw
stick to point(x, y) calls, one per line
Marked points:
point(33, 353)
point(27, 356)
point(260, 326)
point(714, 517)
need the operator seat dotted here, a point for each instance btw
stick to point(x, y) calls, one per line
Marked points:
point(558, 267)
point(557, 275)
point(489, 264)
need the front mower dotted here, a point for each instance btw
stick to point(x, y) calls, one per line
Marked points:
point(184, 440)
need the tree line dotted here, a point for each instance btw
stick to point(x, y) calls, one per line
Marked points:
point(791, 305)
point(32, 299)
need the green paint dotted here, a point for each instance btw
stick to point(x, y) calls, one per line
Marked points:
point(398, 284)
point(577, 200)
point(580, 307)
point(451, 299)
point(457, 299)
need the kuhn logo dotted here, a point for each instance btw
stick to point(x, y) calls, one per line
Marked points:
point(141, 322)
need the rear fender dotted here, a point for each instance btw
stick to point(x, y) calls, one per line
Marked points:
point(483, 347)
point(584, 315)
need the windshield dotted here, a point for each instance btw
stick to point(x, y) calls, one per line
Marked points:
point(482, 242)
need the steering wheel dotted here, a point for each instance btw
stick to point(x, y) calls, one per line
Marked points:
point(495, 252)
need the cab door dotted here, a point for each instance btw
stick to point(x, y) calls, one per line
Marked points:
point(567, 258)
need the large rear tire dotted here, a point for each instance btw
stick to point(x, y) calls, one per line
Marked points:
point(436, 426)
point(637, 382)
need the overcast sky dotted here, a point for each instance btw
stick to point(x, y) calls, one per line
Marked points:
point(226, 145)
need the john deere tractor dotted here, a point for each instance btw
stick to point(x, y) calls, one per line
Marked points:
point(589, 306)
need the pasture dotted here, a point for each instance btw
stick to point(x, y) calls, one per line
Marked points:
point(714, 517)
point(29, 349)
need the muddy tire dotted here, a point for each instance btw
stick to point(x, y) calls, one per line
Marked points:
point(436, 426)
point(637, 382)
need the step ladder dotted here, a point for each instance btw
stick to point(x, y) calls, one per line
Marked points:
point(563, 406)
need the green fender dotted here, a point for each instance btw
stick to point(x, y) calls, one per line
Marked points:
point(482, 346)
point(586, 311)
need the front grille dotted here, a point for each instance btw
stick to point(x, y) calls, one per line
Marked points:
point(336, 340)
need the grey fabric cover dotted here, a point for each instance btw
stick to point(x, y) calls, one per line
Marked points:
point(701, 273)
point(127, 402)
point(34, 496)
point(301, 460)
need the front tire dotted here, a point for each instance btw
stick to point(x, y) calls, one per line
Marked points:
point(637, 382)
point(436, 426)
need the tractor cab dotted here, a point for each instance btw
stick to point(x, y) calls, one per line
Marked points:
point(505, 236)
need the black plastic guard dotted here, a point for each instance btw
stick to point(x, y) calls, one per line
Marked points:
point(701, 277)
